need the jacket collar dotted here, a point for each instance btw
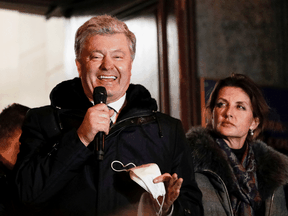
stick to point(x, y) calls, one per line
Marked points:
point(70, 95)
point(272, 166)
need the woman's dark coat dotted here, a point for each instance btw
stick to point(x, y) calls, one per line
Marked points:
point(57, 173)
point(213, 175)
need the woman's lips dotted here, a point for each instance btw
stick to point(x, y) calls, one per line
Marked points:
point(227, 124)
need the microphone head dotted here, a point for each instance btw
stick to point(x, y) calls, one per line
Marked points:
point(99, 95)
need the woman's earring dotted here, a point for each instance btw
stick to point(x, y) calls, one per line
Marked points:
point(251, 132)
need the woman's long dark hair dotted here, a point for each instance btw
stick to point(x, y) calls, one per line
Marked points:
point(259, 106)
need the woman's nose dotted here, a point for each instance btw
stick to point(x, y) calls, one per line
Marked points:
point(229, 112)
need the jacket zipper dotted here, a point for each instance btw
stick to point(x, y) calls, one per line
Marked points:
point(272, 199)
point(225, 188)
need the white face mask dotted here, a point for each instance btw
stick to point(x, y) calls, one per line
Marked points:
point(144, 175)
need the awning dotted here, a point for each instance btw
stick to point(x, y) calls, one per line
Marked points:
point(68, 8)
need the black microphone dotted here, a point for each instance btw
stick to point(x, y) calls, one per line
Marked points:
point(99, 96)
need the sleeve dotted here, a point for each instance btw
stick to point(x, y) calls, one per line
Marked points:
point(286, 194)
point(46, 162)
point(189, 201)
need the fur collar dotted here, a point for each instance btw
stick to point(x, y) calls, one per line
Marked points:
point(272, 166)
point(70, 95)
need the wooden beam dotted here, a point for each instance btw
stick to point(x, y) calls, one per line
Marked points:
point(195, 102)
point(163, 58)
point(190, 107)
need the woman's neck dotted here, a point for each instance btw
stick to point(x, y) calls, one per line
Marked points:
point(235, 142)
point(240, 152)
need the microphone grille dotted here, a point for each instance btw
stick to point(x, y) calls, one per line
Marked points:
point(99, 95)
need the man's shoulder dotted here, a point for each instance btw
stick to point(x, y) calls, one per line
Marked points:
point(167, 118)
point(41, 116)
point(54, 118)
point(42, 112)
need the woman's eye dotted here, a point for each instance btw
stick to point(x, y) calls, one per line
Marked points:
point(241, 107)
point(220, 104)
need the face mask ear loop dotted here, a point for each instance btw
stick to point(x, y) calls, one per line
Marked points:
point(161, 206)
point(121, 170)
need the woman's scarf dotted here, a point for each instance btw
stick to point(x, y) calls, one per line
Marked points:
point(245, 198)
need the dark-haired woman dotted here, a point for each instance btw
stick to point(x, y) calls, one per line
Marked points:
point(237, 174)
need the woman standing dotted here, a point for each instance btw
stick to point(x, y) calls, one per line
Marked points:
point(237, 174)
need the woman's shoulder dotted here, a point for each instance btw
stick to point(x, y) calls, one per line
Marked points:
point(203, 146)
point(272, 166)
point(263, 151)
point(202, 140)
point(199, 135)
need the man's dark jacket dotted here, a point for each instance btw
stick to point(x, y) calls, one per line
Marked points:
point(8, 199)
point(5, 197)
point(58, 175)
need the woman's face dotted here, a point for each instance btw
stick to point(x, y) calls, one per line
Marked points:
point(233, 116)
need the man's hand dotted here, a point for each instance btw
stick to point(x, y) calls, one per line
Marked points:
point(97, 118)
point(172, 186)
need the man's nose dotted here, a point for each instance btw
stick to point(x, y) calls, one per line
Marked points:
point(107, 63)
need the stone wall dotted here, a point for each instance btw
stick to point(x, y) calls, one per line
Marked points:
point(242, 37)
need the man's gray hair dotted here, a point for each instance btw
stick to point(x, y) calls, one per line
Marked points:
point(101, 25)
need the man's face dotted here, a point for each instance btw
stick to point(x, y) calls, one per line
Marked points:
point(105, 61)
point(9, 155)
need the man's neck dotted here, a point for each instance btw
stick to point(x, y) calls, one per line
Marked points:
point(116, 105)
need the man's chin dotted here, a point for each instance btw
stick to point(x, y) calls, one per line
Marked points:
point(111, 97)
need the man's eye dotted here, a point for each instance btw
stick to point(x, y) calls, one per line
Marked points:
point(96, 57)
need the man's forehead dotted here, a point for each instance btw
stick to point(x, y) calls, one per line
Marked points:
point(115, 42)
point(119, 37)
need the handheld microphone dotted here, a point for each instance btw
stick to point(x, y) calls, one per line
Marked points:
point(99, 96)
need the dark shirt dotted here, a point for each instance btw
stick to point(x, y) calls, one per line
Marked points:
point(240, 152)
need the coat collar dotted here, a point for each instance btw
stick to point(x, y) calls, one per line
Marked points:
point(70, 95)
point(272, 166)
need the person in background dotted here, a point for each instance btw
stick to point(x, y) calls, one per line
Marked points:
point(58, 173)
point(238, 174)
point(11, 120)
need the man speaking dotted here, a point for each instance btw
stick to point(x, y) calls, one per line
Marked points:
point(58, 172)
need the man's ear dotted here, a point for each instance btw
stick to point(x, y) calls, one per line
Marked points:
point(255, 123)
point(78, 64)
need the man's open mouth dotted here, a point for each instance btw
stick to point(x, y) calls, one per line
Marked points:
point(107, 77)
